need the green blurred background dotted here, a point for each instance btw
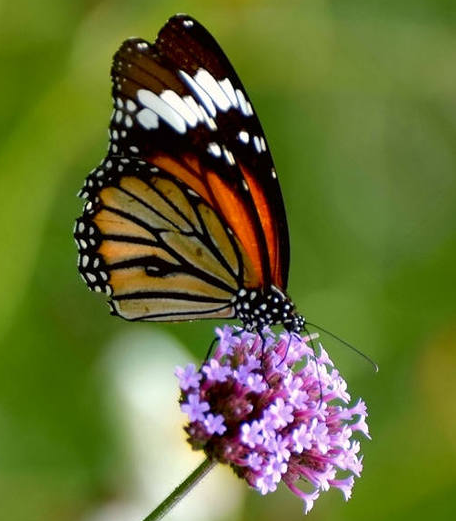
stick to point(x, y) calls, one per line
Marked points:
point(357, 99)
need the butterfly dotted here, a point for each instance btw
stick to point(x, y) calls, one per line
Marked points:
point(184, 218)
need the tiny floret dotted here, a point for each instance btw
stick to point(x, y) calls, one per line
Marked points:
point(275, 411)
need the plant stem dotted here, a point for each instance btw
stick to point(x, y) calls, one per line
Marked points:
point(181, 491)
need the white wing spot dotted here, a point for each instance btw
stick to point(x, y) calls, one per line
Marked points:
point(85, 261)
point(201, 94)
point(273, 173)
point(211, 86)
point(244, 136)
point(179, 105)
point(245, 185)
point(242, 102)
point(256, 142)
point(134, 149)
point(210, 122)
point(162, 109)
point(229, 91)
point(131, 105)
point(262, 144)
point(118, 116)
point(115, 135)
point(142, 46)
point(147, 118)
point(128, 121)
point(228, 156)
point(188, 23)
point(214, 149)
point(190, 101)
point(108, 165)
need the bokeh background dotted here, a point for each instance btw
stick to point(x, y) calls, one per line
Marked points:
point(358, 102)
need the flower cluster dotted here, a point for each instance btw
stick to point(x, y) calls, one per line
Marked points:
point(274, 411)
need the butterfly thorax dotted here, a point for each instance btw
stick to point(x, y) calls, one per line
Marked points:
point(262, 307)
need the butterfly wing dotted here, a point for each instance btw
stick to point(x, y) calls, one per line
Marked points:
point(191, 114)
point(182, 115)
point(156, 246)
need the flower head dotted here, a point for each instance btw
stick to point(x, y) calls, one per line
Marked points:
point(274, 411)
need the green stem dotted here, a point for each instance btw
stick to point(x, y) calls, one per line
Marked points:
point(181, 491)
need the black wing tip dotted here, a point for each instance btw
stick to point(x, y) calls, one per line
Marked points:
point(181, 18)
point(137, 43)
point(182, 22)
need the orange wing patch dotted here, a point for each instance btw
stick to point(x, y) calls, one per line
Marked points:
point(238, 219)
point(233, 209)
point(267, 223)
point(191, 175)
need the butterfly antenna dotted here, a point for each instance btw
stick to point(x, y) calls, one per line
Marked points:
point(341, 340)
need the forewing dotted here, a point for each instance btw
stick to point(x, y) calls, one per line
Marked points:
point(179, 105)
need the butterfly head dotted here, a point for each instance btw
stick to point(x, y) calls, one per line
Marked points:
point(262, 307)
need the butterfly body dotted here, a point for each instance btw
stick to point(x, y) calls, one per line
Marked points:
point(184, 218)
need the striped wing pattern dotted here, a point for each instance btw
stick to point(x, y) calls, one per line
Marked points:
point(157, 247)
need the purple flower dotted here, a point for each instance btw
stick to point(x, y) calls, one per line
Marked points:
point(302, 438)
point(188, 376)
point(215, 424)
point(194, 408)
point(280, 413)
point(250, 407)
point(254, 461)
point(251, 434)
point(215, 371)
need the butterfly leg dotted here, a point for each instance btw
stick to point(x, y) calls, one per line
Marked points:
point(316, 364)
point(263, 357)
point(209, 351)
point(212, 344)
